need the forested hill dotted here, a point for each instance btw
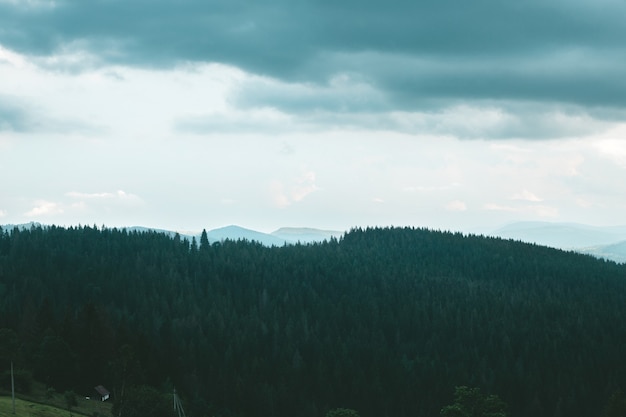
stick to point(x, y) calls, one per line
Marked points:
point(383, 321)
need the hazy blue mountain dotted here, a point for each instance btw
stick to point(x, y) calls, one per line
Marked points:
point(562, 235)
point(237, 232)
point(280, 237)
point(604, 242)
point(21, 226)
point(608, 242)
point(141, 229)
point(614, 252)
point(305, 234)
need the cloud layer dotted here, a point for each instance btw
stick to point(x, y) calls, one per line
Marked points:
point(312, 112)
point(413, 54)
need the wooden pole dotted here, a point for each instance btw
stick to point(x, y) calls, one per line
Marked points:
point(178, 406)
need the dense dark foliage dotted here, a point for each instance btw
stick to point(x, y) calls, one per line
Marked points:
point(471, 402)
point(383, 321)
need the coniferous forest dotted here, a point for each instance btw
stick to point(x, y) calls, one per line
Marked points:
point(385, 321)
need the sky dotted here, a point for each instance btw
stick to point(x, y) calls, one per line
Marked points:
point(192, 114)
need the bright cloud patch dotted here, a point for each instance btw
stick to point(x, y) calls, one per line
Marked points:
point(613, 149)
point(11, 58)
point(284, 195)
point(119, 196)
point(77, 206)
point(44, 208)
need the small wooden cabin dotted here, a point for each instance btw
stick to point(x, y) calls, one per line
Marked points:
point(103, 393)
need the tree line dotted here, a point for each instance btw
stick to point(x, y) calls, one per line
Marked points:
point(385, 321)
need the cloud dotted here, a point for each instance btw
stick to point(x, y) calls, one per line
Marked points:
point(11, 58)
point(405, 55)
point(18, 116)
point(14, 117)
point(120, 197)
point(30, 5)
point(542, 121)
point(77, 205)
point(342, 93)
point(351, 101)
point(303, 186)
point(232, 122)
point(478, 121)
point(612, 149)
point(44, 208)
point(3, 213)
point(284, 195)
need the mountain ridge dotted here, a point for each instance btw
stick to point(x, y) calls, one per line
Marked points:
point(607, 242)
point(385, 309)
point(279, 237)
point(600, 241)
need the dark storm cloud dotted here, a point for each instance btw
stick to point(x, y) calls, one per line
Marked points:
point(414, 53)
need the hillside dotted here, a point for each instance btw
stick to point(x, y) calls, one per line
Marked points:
point(615, 252)
point(52, 408)
point(27, 408)
point(385, 321)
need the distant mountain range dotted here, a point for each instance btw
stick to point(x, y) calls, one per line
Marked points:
point(280, 237)
point(602, 242)
point(615, 252)
point(608, 242)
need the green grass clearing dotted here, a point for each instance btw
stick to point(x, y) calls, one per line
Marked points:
point(38, 404)
point(29, 409)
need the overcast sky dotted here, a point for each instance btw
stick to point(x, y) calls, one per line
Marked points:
point(191, 114)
